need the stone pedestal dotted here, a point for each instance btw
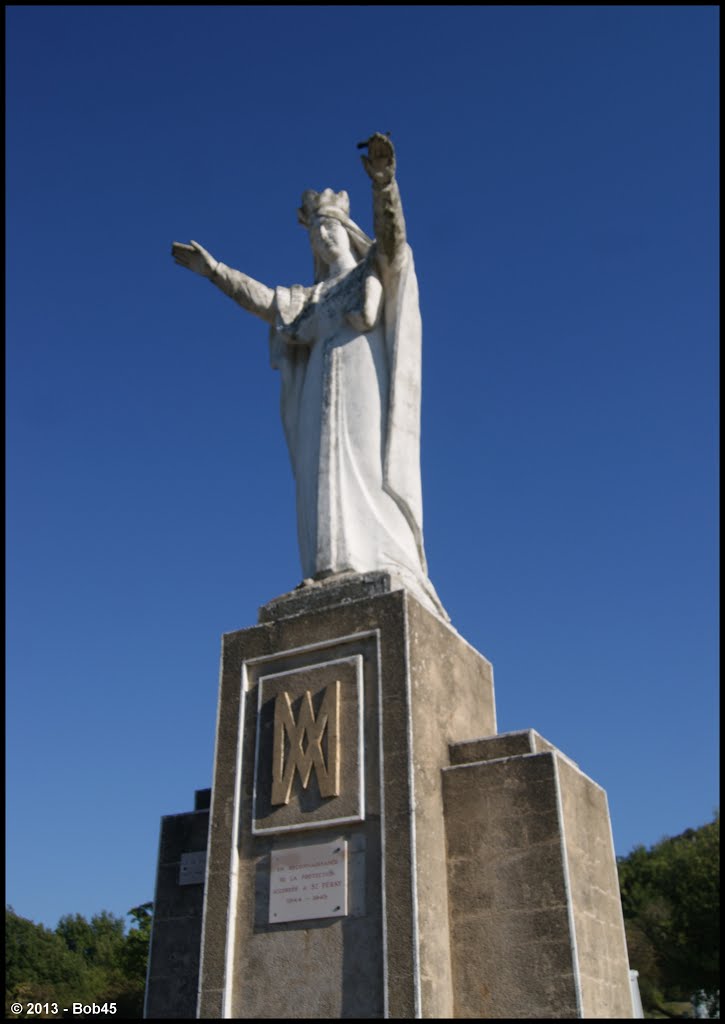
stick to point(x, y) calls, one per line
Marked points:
point(408, 686)
point(367, 858)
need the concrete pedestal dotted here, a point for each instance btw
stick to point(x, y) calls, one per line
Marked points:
point(409, 685)
point(479, 877)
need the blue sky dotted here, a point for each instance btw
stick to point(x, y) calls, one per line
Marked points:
point(559, 173)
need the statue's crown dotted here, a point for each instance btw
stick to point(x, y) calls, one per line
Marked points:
point(318, 204)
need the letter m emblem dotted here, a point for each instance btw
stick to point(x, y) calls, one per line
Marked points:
point(304, 750)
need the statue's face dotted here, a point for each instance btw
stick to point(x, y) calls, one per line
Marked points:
point(329, 239)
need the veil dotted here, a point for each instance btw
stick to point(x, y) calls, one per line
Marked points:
point(335, 205)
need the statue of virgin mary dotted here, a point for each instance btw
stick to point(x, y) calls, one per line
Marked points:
point(348, 349)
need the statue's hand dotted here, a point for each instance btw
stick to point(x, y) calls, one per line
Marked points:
point(194, 257)
point(380, 160)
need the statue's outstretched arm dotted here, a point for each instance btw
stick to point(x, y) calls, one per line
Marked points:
point(388, 220)
point(251, 295)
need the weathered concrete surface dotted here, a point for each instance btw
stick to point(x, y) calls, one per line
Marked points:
point(599, 927)
point(448, 681)
point(423, 688)
point(536, 922)
point(172, 984)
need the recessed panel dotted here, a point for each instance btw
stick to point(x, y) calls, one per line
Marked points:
point(308, 763)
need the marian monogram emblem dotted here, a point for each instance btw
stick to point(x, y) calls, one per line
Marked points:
point(309, 756)
point(304, 750)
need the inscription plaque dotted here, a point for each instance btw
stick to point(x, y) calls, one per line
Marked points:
point(192, 867)
point(307, 882)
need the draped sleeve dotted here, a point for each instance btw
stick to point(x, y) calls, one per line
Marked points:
point(289, 357)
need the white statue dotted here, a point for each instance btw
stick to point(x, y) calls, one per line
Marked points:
point(349, 352)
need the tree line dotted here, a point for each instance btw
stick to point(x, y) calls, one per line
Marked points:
point(671, 904)
point(87, 962)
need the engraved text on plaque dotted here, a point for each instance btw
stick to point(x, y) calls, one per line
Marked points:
point(308, 882)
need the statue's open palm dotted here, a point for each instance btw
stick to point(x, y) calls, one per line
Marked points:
point(380, 160)
point(194, 257)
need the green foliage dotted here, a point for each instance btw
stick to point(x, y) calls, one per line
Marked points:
point(671, 904)
point(81, 961)
point(136, 947)
point(38, 964)
point(98, 941)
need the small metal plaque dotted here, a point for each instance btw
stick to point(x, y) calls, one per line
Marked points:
point(308, 882)
point(193, 865)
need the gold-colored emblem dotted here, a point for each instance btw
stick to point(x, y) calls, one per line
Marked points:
point(303, 759)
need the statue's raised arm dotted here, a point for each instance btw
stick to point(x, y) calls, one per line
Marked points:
point(388, 220)
point(251, 295)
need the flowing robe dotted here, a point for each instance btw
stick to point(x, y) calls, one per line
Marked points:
point(350, 402)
